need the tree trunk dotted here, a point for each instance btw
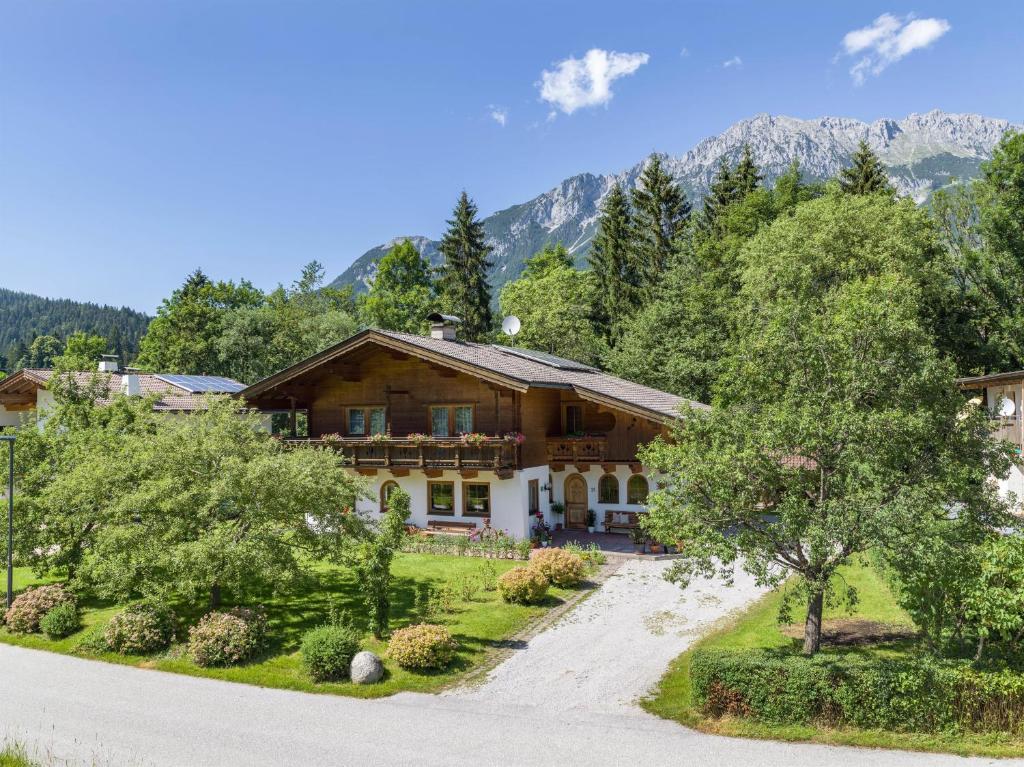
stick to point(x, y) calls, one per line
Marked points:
point(812, 628)
point(215, 596)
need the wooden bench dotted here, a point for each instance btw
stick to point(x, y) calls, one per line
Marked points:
point(446, 527)
point(610, 524)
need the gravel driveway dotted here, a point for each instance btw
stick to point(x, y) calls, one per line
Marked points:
point(614, 647)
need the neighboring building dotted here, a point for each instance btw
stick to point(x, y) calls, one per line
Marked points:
point(475, 431)
point(24, 394)
point(1002, 394)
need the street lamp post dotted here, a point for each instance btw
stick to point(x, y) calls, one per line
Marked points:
point(9, 439)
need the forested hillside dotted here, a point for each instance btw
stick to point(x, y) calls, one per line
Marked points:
point(24, 317)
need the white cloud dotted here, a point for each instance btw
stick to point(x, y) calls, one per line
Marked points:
point(735, 61)
point(576, 83)
point(887, 40)
point(499, 115)
point(684, 52)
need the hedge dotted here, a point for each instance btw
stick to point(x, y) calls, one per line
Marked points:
point(903, 695)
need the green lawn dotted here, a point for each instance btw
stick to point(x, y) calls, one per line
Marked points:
point(758, 627)
point(479, 625)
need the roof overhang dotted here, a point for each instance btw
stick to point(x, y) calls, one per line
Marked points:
point(992, 379)
point(372, 337)
point(21, 387)
point(626, 407)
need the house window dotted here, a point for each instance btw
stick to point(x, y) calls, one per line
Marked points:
point(636, 489)
point(608, 489)
point(463, 419)
point(573, 419)
point(449, 420)
point(441, 498)
point(363, 421)
point(476, 499)
point(385, 494)
point(533, 492)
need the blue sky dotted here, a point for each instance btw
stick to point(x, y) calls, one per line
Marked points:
point(141, 140)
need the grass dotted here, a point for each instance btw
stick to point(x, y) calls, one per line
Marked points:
point(15, 756)
point(758, 627)
point(479, 625)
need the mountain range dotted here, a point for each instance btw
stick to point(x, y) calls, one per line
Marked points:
point(922, 153)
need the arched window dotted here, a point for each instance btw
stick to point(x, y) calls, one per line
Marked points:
point(608, 489)
point(636, 489)
point(385, 494)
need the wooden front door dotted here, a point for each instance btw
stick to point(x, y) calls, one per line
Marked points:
point(575, 501)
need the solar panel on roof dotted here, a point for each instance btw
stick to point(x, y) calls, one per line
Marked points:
point(546, 359)
point(202, 384)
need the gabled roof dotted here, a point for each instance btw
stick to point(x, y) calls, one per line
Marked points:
point(171, 396)
point(517, 369)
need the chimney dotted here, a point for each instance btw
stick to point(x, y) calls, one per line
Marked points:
point(443, 326)
point(109, 363)
point(131, 384)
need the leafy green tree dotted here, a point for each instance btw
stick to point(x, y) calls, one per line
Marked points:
point(866, 175)
point(553, 300)
point(661, 212)
point(612, 260)
point(402, 292)
point(183, 337)
point(215, 505)
point(372, 563)
point(995, 604)
point(81, 352)
point(42, 352)
point(462, 279)
point(678, 342)
point(838, 427)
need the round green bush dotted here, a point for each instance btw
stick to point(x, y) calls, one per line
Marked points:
point(140, 628)
point(61, 621)
point(224, 638)
point(425, 645)
point(327, 652)
point(28, 609)
point(523, 585)
point(561, 568)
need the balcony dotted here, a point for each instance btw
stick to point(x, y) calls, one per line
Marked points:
point(492, 453)
point(587, 449)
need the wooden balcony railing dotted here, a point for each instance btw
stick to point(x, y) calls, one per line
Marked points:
point(577, 449)
point(396, 452)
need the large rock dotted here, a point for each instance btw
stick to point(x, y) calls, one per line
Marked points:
point(366, 668)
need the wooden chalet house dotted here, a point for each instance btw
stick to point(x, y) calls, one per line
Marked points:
point(474, 431)
point(1002, 395)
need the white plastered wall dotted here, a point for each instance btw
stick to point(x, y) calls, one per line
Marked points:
point(592, 477)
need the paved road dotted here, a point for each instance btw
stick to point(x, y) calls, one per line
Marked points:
point(86, 712)
point(613, 648)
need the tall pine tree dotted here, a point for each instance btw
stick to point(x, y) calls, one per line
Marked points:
point(866, 175)
point(612, 260)
point(660, 211)
point(747, 175)
point(462, 280)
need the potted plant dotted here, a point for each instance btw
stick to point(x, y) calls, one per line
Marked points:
point(639, 538)
point(417, 438)
point(591, 520)
point(473, 438)
point(331, 440)
point(379, 437)
point(656, 547)
point(515, 437)
point(558, 510)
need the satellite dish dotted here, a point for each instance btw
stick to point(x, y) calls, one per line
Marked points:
point(510, 326)
point(1007, 408)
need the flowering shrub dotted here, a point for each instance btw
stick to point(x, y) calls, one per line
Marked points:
point(29, 608)
point(61, 621)
point(140, 628)
point(223, 638)
point(523, 585)
point(425, 645)
point(473, 438)
point(560, 567)
point(327, 652)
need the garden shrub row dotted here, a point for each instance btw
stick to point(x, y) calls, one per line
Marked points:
point(29, 608)
point(903, 695)
point(494, 547)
